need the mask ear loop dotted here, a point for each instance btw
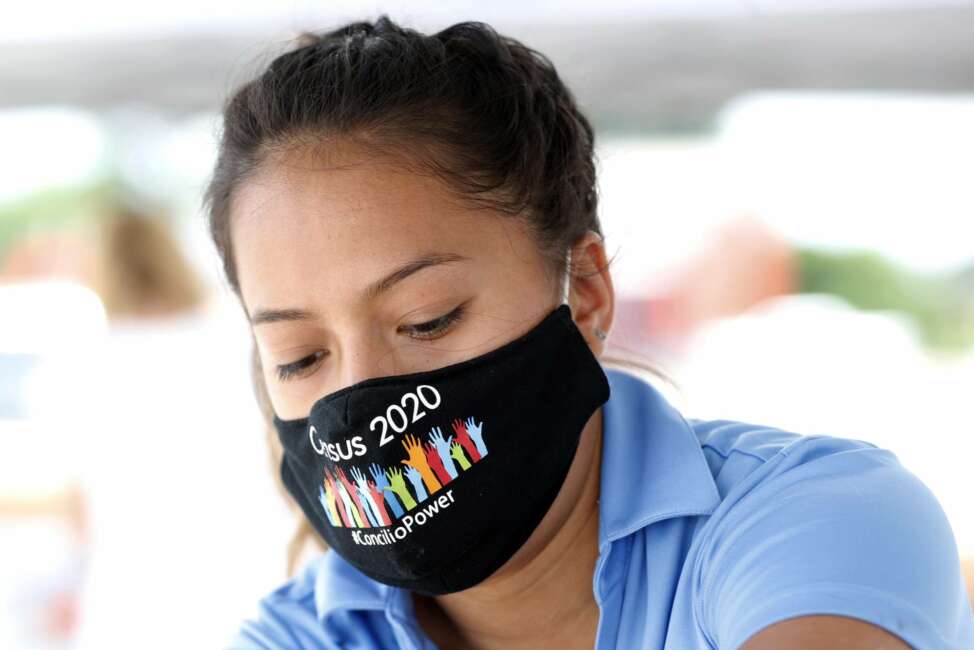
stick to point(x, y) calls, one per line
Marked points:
point(600, 333)
point(566, 287)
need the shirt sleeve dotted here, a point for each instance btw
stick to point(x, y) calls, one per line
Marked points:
point(834, 526)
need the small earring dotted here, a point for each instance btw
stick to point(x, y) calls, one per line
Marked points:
point(599, 333)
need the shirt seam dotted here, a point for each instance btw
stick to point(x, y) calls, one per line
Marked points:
point(803, 439)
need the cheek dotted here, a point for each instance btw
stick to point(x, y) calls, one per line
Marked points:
point(282, 402)
point(285, 404)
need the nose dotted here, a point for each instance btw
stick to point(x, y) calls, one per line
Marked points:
point(364, 356)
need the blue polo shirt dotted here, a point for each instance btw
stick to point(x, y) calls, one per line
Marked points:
point(709, 531)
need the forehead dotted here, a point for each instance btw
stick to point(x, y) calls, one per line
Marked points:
point(306, 224)
point(341, 188)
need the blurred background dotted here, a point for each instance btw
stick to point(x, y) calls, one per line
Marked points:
point(786, 188)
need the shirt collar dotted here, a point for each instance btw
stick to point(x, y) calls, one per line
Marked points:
point(652, 468)
point(339, 586)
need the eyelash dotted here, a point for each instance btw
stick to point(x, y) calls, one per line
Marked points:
point(430, 330)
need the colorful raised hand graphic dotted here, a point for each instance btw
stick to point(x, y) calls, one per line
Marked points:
point(363, 492)
point(476, 432)
point(457, 452)
point(443, 449)
point(351, 513)
point(323, 498)
point(352, 492)
point(337, 511)
point(342, 503)
point(359, 502)
point(417, 480)
point(436, 463)
point(380, 506)
point(417, 460)
point(381, 483)
point(463, 437)
point(397, 485)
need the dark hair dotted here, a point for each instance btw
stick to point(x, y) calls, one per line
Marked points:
point(483, 112)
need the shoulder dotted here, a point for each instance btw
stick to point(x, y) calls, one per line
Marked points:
point(741, 455)
point(818, 524)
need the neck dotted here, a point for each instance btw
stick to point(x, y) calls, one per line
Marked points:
point(543, 596)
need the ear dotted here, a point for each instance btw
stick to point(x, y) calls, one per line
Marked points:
point(591, 296)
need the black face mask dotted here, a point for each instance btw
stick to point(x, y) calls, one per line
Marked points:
point(431, 481)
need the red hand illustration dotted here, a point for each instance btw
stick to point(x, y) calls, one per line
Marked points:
point(338, 506)
point(352, 492)
point(464, 439)
point(436, 463)
point(380, 502)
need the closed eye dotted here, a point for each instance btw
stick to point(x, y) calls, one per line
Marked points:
point(299, 367)
point(428, 331)
point(437, 327)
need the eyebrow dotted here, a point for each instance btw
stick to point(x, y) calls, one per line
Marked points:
point(262, 316)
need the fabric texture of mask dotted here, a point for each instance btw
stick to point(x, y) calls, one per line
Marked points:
point(431, 481)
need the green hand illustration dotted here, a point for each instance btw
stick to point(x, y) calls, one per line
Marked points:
point(398, 485)
point(457, 452)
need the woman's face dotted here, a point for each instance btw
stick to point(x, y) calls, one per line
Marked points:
point(354, 268)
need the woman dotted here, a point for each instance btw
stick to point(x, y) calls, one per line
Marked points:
point(409, 222)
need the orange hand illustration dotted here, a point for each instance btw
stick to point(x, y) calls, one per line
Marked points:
point(417, 459)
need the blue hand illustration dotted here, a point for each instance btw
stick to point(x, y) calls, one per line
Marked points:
point(362, 486)
point(379, 476)
point(417, 480)
point(443, 449)
point(324, 504)
point(382, 482)
point(476, 434)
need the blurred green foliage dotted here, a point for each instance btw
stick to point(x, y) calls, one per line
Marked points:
point(940, 304)
point(54, 208)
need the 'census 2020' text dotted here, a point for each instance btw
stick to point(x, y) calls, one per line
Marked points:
point(395, 419)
